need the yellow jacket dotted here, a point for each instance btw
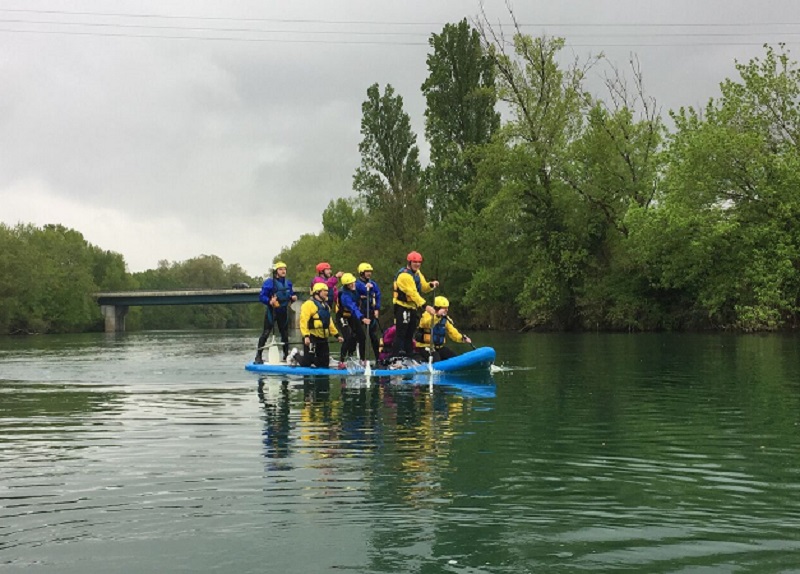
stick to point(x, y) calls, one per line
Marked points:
point(311, 323)
point(426, 323)
point(405, 290)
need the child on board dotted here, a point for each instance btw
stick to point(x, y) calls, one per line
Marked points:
point(277, 294)
point(435, 330)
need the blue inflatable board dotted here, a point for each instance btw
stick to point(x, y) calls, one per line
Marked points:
point(480, 359)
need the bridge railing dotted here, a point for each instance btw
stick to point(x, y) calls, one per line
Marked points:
point(114, 305)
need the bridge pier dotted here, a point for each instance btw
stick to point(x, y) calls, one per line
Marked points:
point(114, 316)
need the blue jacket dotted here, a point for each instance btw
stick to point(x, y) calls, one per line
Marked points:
point(375, 299)
point(348, 304)
point(281, 288)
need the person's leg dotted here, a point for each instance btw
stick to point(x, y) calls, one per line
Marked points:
point(308, 354)
point(282, 319)
point(375, 338)
point(349, 343)
point(402, 318)
point(323, 359)
point(262, 340)
point(360, 337)
point(408, 342)
point(443, 353)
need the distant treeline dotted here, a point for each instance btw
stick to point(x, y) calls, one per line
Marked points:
point(48, 276)
point(578, 211)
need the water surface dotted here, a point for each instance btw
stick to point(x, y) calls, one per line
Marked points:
point(604, 453)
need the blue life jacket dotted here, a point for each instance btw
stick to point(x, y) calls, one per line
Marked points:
point(323, 315)
point(369, 302)
point(438, 332)
point(282, 289)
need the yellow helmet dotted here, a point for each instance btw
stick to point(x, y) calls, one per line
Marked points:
point(348, 278)
point(440, 301)
point(319, 287)
point(279, 264)
point(364, 267)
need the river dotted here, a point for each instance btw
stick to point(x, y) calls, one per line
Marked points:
point(605, 453)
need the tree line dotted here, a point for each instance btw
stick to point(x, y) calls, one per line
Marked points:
point(48, 276)
point(573, 211)
point(579, 211)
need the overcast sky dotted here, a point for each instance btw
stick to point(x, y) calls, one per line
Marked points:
point(171, 129)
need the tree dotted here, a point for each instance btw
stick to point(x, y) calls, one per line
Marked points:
point(460, 114)
point(340, 218)
point(388, 178)
point(523, 174)
point(203, 272)
point(731, 204)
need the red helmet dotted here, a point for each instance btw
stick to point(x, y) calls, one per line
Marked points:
point(414, 257)
point(323, 266)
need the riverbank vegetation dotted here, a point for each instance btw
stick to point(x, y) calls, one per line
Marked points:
point(578, 209)
point(49, 274)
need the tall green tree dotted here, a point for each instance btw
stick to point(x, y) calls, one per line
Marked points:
point(532, 205)
point(614, 167)
point(726, 235)
point(388, 179)
point(341, 217)
point(460, 114)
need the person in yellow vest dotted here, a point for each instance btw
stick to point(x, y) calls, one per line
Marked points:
point(409, 285)
point(435, 330)
point(316, 325)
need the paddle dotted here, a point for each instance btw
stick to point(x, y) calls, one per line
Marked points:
point(274, 343)
point(430, 350)
point(470, 341)
point(367, 343)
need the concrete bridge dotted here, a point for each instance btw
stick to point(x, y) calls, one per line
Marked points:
point(115, 305)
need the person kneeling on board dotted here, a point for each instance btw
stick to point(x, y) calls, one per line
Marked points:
point(434, 330)
point(316, 325)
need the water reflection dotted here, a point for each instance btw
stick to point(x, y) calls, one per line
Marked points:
point(276, 421)
point(344, 417)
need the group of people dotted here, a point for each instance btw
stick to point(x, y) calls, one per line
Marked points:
point(351, 314)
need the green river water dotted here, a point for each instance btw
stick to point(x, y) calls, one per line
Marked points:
point(158, 452)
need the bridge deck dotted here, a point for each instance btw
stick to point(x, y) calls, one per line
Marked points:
point(182, 297)
point(114, 305)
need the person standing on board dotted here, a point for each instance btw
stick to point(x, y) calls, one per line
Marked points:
point(325, 275)
point(409, 285)
point(277, 294)
point(316, 325)
point(351, 320)
point(369, 295)
point(434, 330)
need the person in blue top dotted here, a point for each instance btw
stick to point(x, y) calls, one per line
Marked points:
point(369, 296)
point(352, 321)
point(277, 294)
